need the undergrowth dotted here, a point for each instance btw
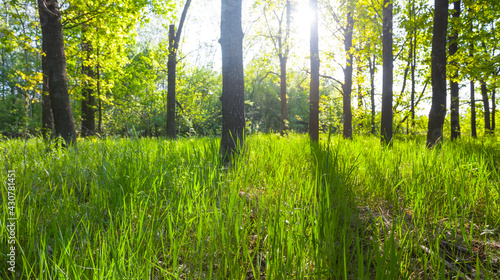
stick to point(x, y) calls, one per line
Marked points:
point(286, 209)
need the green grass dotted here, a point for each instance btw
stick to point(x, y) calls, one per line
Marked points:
point(158, 209)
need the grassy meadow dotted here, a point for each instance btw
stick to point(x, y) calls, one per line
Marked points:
point(286, 209)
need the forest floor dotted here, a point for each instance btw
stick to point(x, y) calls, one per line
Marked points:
point(286, 209)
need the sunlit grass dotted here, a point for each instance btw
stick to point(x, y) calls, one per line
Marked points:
point(158, 209)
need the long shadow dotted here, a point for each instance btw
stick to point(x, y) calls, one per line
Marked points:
point(343, 246)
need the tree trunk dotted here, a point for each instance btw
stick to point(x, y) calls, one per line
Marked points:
point(438, 74)
point(472, 110)
point(284, 111)
point(314, 86)
point(472, 93)
point(88, 100)
point(173, 45)
point(283, 56)
point(455, 102)
point(347, 86)
point(171, 69)
point(372, 93)
point(50, 20)
point(233, 90)
point(47, 118)
point(486, 105)
point(413, 66)
point(493, 111)
point(387, 79)
point(360, 95)
point(99, 105)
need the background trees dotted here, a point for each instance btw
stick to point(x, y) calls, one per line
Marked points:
point(117, 74)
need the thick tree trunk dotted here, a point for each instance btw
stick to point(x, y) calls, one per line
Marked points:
point(47, 118)
point(455, 102)
point(284, 109)
point(372, 93)
point(347, 86)
point(171, 69)
point(486, 108)
point(88, 98)
point(387, 76)
point(233, 90)
point(50, 19)
point(472, 110)
point(438, 74)
point(314, 86)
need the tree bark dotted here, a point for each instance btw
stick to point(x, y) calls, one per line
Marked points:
point(88, 98)
point(171, 69)
point(472, 93)
point(52, 37)
point(233, 90)
point(283, 56)
point(347, 86)
point(438, 74)
point(486, 108)
point(173, 45)
point(372, 93)
point(284, 109)
point(387, 75)
point(413, 66)
point(47, 118)
point(99, 104)
point(314, 85)
point(455, 102)
point(472, 110)
point(493, 111)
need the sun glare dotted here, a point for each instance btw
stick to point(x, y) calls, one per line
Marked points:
point(302, 19)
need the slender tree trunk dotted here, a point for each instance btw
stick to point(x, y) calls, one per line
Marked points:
point(233, 84)
point(486, 105)
point(438, 74)
point(99, 105)
point(360, 95)
point(387, 79)
point(314, 86)
point(171, 69)
point(473, 110)
point(88, 100)
point(359, 86)
point(284, 111)
point(472, 93)
point(50, 20)
point(455, 102)
point(372, 93)
point(47, 118)
point(493, 111)
point(413, 66)
point(283, 72)
point(347, 86)
point(173, 45)
point(4, 74)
